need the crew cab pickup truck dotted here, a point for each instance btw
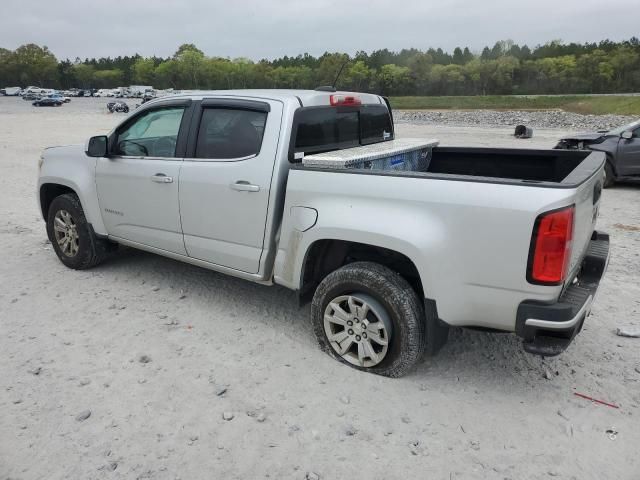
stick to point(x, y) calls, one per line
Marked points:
point(495, 239)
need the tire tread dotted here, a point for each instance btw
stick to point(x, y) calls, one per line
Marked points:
point(98, 248)
point(396, 292)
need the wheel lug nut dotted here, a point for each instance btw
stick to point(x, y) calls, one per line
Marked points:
point(357, 320)
point(364, 334)
point(350, 332)
point(358, 338)
point(350, 323)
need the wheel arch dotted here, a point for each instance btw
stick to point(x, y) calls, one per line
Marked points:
point(324, 256)
point(50, 187)
point(610, 160)
point(610, 150)
point(48, 192)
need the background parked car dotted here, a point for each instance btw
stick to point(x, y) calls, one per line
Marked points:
point(32, 90)
point(60, 97)
point(12, 91)
point(621, 145)
point(48, 102)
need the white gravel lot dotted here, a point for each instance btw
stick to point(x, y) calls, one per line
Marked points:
point(71, 341)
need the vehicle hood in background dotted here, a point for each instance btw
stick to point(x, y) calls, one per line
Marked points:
point(585, 136)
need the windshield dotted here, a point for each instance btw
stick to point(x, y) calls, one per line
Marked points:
point(624, 128)
point(321, 129)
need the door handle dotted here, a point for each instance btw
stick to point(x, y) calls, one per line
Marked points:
point(244, 186)
point(161, 178)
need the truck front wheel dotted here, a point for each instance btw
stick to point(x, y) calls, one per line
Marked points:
point(369, 317)
point(72, 238)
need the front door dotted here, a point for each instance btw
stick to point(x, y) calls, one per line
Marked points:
point(226, 180)
point(629, 155)
point(138, 183)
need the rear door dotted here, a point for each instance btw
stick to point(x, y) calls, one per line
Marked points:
point(138, 183)
point(629, 155)
point(226, 179)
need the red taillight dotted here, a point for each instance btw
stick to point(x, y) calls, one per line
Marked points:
point(551, 244)
point(340, 100)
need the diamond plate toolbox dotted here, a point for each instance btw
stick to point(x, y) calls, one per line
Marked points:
point(403, 154)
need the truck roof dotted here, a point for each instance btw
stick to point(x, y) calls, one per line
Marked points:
point(305, 97)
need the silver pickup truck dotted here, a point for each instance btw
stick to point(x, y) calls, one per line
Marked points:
point(495, 239)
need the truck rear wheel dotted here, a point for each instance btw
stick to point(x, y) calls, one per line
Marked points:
point(73, 239)
point(369, 317)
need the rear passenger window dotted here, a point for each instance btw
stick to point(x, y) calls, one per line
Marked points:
point(230, 133)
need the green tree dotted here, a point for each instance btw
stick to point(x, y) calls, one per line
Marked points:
point(7, 68)
point(190, 65)
point(393, 79)
point(186, 47)
point(554, 67)
point(108, 78)
point(458, 56)
point(467, 56)
point(358, 76)
point(328, 67)
point(167, 74)
point(624, 61)
point(503, 74)
point(144, 71)
point(36, 65)
point(83, 75)
point(419, 67)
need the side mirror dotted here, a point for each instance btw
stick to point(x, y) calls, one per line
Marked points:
point(97, 146)
point(627, 135)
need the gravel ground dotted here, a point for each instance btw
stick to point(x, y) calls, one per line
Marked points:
point(146, 368)
point(492, 118)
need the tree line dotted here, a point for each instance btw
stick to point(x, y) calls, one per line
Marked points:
point(506, 68)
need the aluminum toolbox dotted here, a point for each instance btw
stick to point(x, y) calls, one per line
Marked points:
point(407, 154)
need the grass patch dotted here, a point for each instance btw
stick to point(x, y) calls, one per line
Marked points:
point(618, 104)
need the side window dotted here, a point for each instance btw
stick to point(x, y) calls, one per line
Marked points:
point(230, 133)
point(153, 134)
point(636, 133)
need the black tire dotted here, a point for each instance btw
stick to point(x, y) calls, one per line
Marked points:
point(91, 249)
point(407, 342)
point(610, 176)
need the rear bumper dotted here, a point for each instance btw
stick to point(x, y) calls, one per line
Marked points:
point(548, 328)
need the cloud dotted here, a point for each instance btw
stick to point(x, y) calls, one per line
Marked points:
point(268, 29)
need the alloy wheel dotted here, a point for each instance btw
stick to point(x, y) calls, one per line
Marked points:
point(358, 328)
point(66, 233)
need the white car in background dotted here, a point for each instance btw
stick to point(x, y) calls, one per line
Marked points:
point(12, 91)
point(32, 90)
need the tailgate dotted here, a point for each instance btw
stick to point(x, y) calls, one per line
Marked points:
point(587, 203)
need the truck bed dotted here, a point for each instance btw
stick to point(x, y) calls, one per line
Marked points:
point(515, 164)
point(548, 168)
